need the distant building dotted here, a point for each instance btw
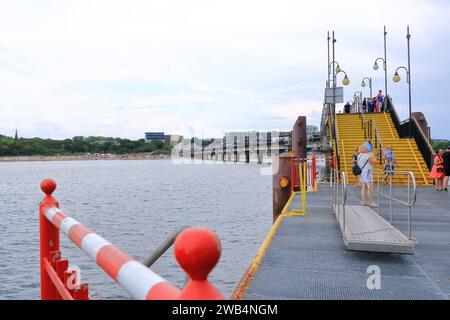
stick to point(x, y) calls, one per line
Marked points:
point(173, 139)
point(313, 134)
point(169, 139)
point(154, 136)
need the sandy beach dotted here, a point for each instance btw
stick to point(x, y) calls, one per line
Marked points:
point(133, 156)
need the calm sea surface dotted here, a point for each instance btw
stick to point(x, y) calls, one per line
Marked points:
point(135, 205)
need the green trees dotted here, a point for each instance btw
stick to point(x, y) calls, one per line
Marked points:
point(78, 145)
point(440, 144)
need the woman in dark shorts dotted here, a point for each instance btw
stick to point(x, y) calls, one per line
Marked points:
point(446, 158)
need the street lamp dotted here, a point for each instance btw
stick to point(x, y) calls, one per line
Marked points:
point(363, 84)
point(336, 67)
point(397, 78)
point(376, 66)
point(346, 80)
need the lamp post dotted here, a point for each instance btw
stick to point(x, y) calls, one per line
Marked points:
point(363, 84)
point(376, 66)
point(397, 78)
point(328, 64)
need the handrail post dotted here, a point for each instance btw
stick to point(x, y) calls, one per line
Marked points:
point(314, 172)
point(390, 199)
point(378, 194)
point(49, 239)
point(198, 251)
point(344, 201)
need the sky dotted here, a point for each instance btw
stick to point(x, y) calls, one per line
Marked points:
point(201, 68)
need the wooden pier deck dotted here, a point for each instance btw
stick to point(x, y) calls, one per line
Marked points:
point(307, 259)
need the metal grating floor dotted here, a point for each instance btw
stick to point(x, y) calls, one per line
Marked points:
point(308, 260)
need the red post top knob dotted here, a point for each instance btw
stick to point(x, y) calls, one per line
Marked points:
point(197, 250)
point(48, 186)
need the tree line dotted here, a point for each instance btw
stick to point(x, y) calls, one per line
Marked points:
point(440, 144)
point(78, 145)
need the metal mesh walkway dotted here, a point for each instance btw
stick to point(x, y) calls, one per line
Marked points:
point(307, 259)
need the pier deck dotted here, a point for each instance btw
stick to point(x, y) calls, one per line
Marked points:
point(307, 258)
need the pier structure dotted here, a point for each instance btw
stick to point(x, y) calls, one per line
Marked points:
point(247, 147)
point(394, 248)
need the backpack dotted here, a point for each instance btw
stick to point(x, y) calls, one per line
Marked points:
point(356, 170)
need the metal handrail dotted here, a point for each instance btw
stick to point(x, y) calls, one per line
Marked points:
point(378, 138)
point(163, 247)
point(344, 200)
point(363, 118)
point(336, 138)
point(339, 199)
point(425, 138)
point(410, 203)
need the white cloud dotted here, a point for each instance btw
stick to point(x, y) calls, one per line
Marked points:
point(198, 67)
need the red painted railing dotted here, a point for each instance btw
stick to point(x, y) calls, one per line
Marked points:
point(311, 173)
point(197, 251)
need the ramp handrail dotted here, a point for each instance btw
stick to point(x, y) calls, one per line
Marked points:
point(378, 140)
point(337, 199)
point(196, 250)
point(411, 200)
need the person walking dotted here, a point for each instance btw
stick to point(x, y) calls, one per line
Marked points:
point(371, 105)
point(366, 162)
point(389, 164)
point(380, 99)
point(446, 163)
point(437, 173)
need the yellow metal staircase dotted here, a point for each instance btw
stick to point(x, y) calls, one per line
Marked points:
point(407, 154)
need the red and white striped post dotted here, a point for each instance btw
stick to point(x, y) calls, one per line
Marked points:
point(314, 172)
point(197, 250)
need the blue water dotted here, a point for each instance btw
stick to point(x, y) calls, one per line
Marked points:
point(135, 205)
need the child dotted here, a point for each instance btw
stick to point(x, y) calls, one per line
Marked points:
point(389, 164)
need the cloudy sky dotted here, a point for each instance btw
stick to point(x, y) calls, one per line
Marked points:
point(120, 68)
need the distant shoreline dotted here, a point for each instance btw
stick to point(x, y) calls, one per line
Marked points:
point(133, 156)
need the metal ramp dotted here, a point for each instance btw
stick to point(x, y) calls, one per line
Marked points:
point(362, 228)
point(365, 230)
